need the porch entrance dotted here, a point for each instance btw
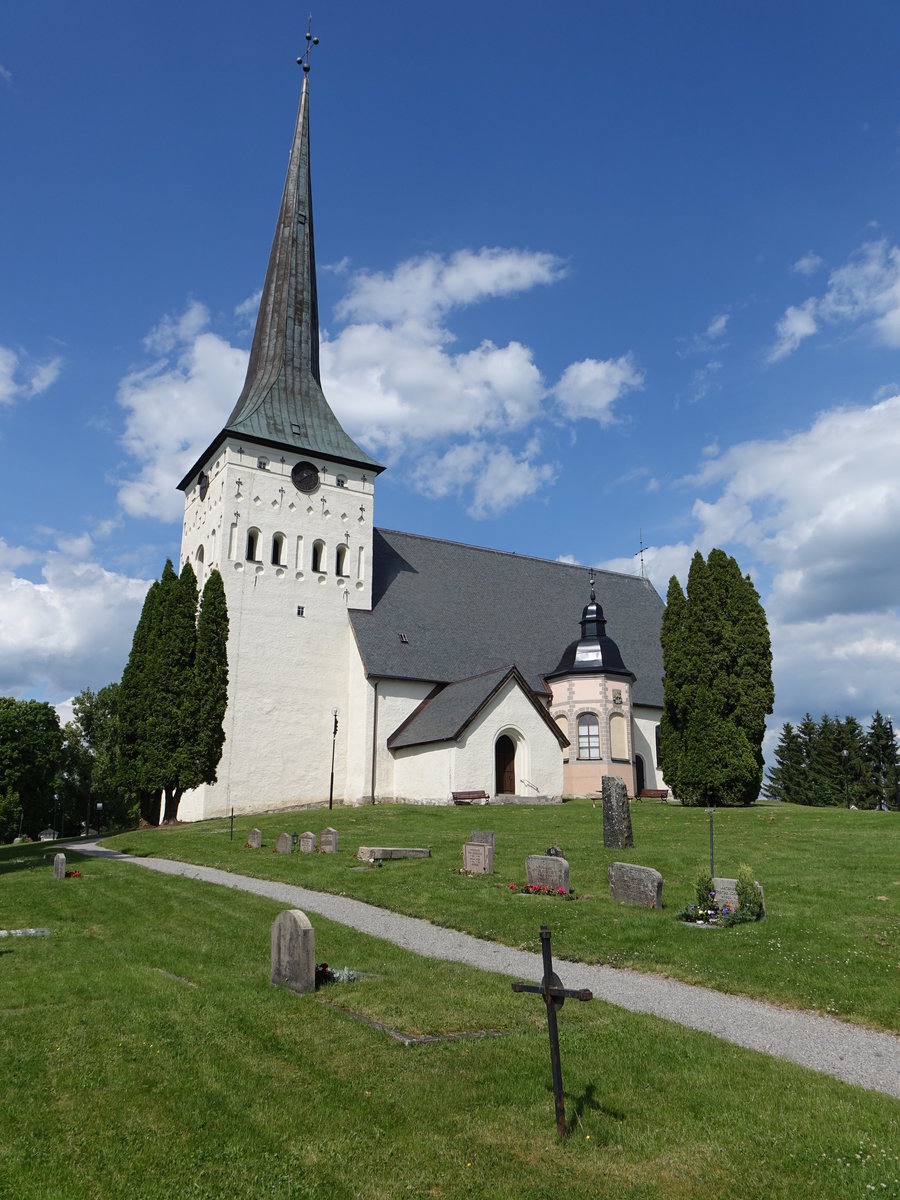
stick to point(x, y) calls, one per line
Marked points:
point(505, 766)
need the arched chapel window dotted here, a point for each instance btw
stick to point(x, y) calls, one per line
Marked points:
point(318, 556)
point(340, 564)
point(588, 736)
point(562, 722)
point(253, 545)
point(278, 550)
point(618, 737)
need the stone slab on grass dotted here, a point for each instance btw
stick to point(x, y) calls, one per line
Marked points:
point(551, 870)
point(617, 834)
point(374, 853)
point(254, 839)
point(631, 884)
point(478, 858)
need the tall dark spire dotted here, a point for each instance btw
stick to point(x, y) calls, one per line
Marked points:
point(282, 400)
point(594, 652)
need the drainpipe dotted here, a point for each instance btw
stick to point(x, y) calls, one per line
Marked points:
point(374, 736)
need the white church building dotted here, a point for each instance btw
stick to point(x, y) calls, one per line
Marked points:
point(371, 665)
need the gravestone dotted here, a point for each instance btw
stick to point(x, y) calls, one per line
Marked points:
point(630, 884)
point(328, 841)
point(551, 870)
point(254, 839)
point(726, 893)
point(294, 951)
point(283, 844)
point(617, 833)
point(478, 858)
point(483, 836)
point(59, 866)
point(308, 842)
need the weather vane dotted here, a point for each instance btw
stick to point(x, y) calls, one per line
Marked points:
point(303, 60)
point(593, 597)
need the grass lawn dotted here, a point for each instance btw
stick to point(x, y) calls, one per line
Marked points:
point(146, 1055)
point(831, 879)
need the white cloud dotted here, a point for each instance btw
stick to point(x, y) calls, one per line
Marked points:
point(174, 410)
point(866, 291)
point(173, 331)
point(709, 341)
point(796, 325)
point(421, 289)
point(391, 375)
point(71, 630)
point(5, 74)
point(808, 264)
point(497, 478)
point(20, 380)
point(247, 309)
point(591, 388)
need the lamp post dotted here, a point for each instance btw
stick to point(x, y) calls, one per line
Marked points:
point(845, 754)
point(334, 713)
point(99, 816)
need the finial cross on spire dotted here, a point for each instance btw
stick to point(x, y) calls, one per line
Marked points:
point(303, 60)
point(593, 597)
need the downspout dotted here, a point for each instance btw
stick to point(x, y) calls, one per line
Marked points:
point(374, 736)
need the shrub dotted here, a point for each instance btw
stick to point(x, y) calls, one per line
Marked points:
point(705, 890)
point(748, 897)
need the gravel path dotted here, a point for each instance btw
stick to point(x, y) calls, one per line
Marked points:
point(859, 1056)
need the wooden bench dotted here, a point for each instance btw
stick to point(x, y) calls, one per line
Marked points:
point(469, 797)
point(660, 794)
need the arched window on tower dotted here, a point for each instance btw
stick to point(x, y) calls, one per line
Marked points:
point(340, 560)
point(278, 550)
point(318, 557)
point(253, 545)
point(562, 722)
point(618, 737)
point(199, 555)
point(588, 737)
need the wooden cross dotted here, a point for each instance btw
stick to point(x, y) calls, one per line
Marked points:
point(554, 995)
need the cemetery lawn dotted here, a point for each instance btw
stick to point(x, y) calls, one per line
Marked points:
point(831, 942)
point(146, 1055)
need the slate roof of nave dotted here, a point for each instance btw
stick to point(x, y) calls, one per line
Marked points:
point(464, 610)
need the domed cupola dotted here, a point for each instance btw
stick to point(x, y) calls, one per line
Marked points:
point(594, 652)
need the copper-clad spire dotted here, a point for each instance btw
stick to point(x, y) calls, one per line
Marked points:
point(282, 400)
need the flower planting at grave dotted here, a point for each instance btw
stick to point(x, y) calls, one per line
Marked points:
point(711, 911)
point(541, 889)
point(73, 874)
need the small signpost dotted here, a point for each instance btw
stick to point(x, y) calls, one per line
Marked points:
point(554, 995)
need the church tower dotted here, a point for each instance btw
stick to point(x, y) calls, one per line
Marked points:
point(281, 503)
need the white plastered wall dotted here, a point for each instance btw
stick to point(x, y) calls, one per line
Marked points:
point(645, 721)
point(287, 671)
point(432, 773)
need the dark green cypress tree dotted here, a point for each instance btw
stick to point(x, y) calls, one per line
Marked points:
point(211, 677)
point(881, 755)
point(677, 683)
point(718, 684)
point(135, 698)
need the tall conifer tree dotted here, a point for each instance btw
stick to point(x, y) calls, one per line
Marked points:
point(211, 672)
point(168, 740)
point(718, 684)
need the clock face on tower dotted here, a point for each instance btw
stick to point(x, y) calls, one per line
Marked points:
point(305, 477)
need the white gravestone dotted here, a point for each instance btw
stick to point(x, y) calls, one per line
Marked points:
point(59, 866)
point(283, 844)
point(307, 842)
point(478, 858)
point(254, 839)
point(328, 841)
point(294, 951)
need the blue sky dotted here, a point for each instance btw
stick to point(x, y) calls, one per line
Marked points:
point(585, 277)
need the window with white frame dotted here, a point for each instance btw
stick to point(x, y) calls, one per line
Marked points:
point(588, 737)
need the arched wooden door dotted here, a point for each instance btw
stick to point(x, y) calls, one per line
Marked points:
point(639, 777)
point(505, 766)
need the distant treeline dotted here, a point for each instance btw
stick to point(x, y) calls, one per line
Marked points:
point(835, 761)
